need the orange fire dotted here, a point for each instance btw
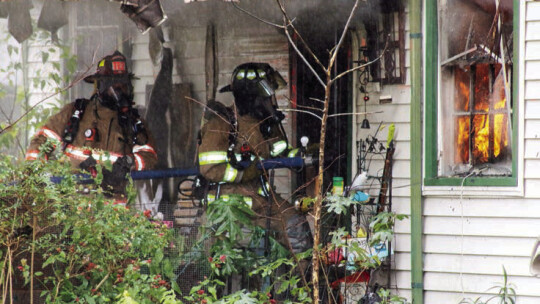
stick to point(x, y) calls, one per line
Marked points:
point(488, 125)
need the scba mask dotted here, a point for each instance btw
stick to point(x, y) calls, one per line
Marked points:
point(113, 81)
point(115, 93)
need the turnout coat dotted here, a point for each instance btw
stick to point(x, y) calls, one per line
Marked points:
point(214, 166)
point(108, 143)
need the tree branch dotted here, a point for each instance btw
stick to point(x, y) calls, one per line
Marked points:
point(362, 113)
point(295, 47)
point(343, 34)
point(363, 65)
point(316, 99)
point(256, 17)
point(301, 111)
point(290, 23)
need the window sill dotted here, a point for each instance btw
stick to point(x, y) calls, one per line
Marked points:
point(479, 187)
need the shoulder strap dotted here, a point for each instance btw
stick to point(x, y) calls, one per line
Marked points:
point(70, 131)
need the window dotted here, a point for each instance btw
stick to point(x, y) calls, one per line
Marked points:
point(470, 68)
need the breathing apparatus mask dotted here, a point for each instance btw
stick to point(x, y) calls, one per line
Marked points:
point(116, 94)
point(113, 82)
point(253, 86)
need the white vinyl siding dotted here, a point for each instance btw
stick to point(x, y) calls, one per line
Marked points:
point(468, 239)
point(398, 113)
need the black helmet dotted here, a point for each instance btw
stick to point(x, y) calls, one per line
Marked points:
point(113, 81)
point(253, 85)
point(254, 79)
point(114, 65)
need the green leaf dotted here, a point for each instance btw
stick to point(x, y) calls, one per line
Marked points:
point(89, 299)
point(44, 57)
point(158, 256)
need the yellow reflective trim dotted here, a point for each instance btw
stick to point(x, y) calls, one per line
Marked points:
point(278, 147)
point(230, 174)
point(248, 201)
point(101, 63)
point(213, 157)
point(292, 153)
point(251, 74)
point(260, 191)
point(241, 74)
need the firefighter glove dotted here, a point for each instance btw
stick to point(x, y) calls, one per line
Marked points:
point(117, 175)
point(88, 163)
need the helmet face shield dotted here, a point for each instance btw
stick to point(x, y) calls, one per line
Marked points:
point(265, 89)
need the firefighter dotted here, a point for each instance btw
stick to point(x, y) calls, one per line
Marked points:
point(103, 128)
point(251, 130)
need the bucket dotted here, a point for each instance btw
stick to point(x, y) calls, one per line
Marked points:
point(147, 14)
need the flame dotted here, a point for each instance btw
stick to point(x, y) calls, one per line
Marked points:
point(489, 130)
point(462, 140)
point(481, 88)
point(462, 89)
point(481, 138)
point(501, 133)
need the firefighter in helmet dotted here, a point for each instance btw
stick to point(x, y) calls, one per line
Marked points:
point(251, 130)
point(103, 128)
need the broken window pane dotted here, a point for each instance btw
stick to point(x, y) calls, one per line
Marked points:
point(475, 87)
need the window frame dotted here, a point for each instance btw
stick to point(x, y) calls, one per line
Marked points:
point(431, 132)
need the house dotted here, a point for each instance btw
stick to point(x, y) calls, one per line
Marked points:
point(459, 82)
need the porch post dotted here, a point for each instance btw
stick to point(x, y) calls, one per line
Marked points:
point(417, 280)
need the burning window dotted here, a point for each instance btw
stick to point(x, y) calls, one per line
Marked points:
point(475, 118)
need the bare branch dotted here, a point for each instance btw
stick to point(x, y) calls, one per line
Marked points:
point(302, 106)
point(316, 99)
point(291, 25)
point(38, 103)
point(299, 53)
point(343, 114)
point(208, 108)
point(77, 80)
point(301, 111)
point(362, 65)
point(256, 17)
point(343, 34)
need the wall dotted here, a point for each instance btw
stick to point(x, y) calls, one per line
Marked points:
point(470, 234)
point(398, 113)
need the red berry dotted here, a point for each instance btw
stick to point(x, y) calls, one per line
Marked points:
point(222, 258)
point(201, 292)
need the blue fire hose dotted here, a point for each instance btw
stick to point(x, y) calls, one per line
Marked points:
point(275, 163)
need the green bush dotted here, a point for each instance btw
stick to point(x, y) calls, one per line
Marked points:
point(76, 246)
